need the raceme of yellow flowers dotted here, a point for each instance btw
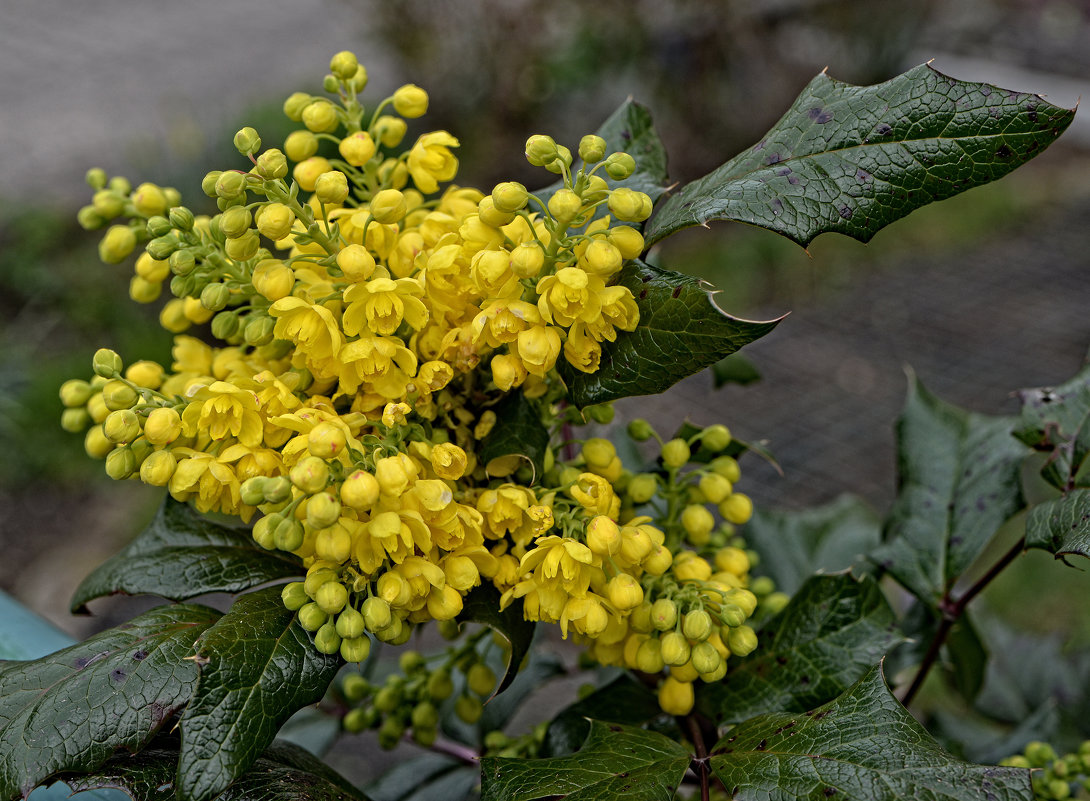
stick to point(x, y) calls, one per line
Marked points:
point(368, 318)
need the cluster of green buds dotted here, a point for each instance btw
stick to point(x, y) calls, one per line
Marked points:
point(1055, 778)
point(412, 699)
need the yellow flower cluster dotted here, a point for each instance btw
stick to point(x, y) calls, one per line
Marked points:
point(357, 302)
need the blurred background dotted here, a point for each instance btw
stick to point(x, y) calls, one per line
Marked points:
point(980, 295)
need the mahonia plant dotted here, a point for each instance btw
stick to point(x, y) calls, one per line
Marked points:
point(377, 375)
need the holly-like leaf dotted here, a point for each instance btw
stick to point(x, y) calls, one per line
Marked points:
point(183, 554)
point(623, 700)
point(71, 710)
point(258, 666)
point(681, 331)
point(284, 772)
point(959, 480)
point(853, 159)
point(834, 629)
point(793, 545)
point(863, 746)
point(518, 430)
point(1054, 420)
point(1061, 526)
point(482, 605)
point(615, 762)
point(968, 658)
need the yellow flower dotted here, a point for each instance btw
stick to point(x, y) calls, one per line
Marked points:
point(381, 362)
point(561, 562)
point(313, 329)
point(569, 295)
point(380, 305)
point(223, 410)
point(501, 321)
point(212, 484)
point(582, 351)
point(448, 461)
point(538, 347)
point(431, 161)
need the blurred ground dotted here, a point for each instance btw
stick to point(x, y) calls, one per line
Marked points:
point(980, 295)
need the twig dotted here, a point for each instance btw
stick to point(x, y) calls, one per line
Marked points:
point(460, 752)
point(952, 611)
point(701, 760)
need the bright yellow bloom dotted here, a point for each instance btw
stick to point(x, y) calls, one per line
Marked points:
point(312, 328)
point(431, 161)
point(383, 363)
point(380, 305)
point(569, 295)
point(223, 410)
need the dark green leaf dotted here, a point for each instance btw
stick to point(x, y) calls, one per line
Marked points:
point(616, 761)
point(183, 554)
point(623, 700)
point(959, 480)
point(794, 545)
point(539, 669)
point(482, 605)
point(834, 629)
point(1054, 420)
point(734, 369)
point(258, 666)
point(968, 658)
point(71, 710)
point(431, 777)
point(863, 746)
point(284, 772)
point(853, 159)
point(518, 430)
point(1062, 525)
point(681, 331)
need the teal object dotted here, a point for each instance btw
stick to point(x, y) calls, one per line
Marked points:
point(24, 635)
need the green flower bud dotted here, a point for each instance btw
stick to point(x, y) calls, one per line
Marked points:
point(294, 595)
point(640, 430)
point(320, 116)
point(564, 205)
point(358, 82)
point(225, 326)
point(705, 658)
point(327, 640)
point(215, 296)
point(182, 262)
point(642, 487)
point(75, 392)
point(387, 699)
point(289, 534)
point(715, 438)
point(95, 177)
point(355, 649)
point(300, 145)
point(244, 247)
point(649, 656)
point(332, 187)
point(600, 413)
point(158, 226)
point(312, 617)
point(247, 141)
point(119, 395)
point(732, 615)
point(742, 640)
point(676, 453)
point(509, 196)
point(294, 105)
point(425, 715)
point(120, 464)
point(628, 205)
point(619, 166)
point(235, 221)
point(697, 625)
point(355, 687)
point(440, 687)
point(121, 426)
point(252, 491)
point(563, 159)
point(480, 679)
point(675, 648)
point(376, 614)
point(344, 65)
point(108, 204)
point(331, 597)
point(272, 164)
point(119, 184)
point(390, 733)
point(540, 150)
point(117, 244)
point(162, 247)
point(277, 490)
point(592, 149)
point(350, 623)
point(468, 708)
point(149, 200)
point(664, 614)
point(75, 420)
point(89, 219)
point(330, 83)
point(229, 185)
point(181, 218)
point(259, 330)
point(356, 720)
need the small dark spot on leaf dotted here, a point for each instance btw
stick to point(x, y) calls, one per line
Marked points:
point(773, 158)
point(676, 293)
point(622, 775)
point(792, 179)
point(117, 675)
point(882, 129)
point(819, 115)
point(985, 90)
point(789, 724)
point(761, 746)
point(615, 728)
point(777, 206)
point(828, 791)
point(719, 751)
point(81, 662)
point(626, 135)
point(140, 655)
point(759, 146)
point(783, 171)
point(732, 738)
point(643, 294)
point(1031, 112)
point(646, 279)
point(781, 660)
point(1004, 152)
point(845, 212)
point(862, 176)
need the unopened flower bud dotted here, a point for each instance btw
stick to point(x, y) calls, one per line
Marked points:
point(230, 185)
point(320, 116)
point(509, 196)
point(75, 392)
point(294, 105)
point(540, 150)
point(628, 205)
point(357, 148)
point(332, 187)
point(310, 475)
point(243, 247)
point(676, 453)
point(247, 141)
point(619, 166)
point(272, 164)
point(95, 177)
point(163, 426)
point(411, 101)
point(149, 200)
point(120, 464)
point(117, 243)
point(300, 145)
point(181, 218)
point(388, 206)
point(121, 426)
point(564, 205)
point(592, 148)
point(106, 363)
